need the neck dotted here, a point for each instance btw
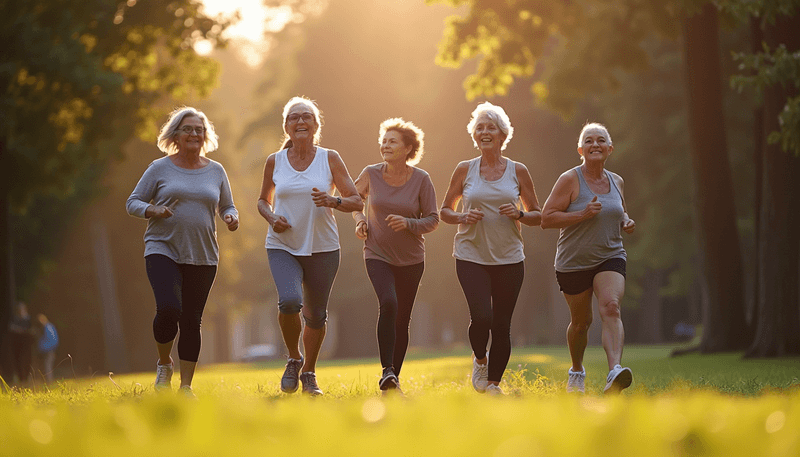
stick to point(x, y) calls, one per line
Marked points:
point(188, 155)
point(396, 168)
point(304, 147)
point(593, 169)
point(492, 157)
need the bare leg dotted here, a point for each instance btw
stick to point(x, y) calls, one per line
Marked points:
point(609, 286)
point(164, 350)
point(312, 342)
point(580, 310)
point(290, 329)
point(187, 372)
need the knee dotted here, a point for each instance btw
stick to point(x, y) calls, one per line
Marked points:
point(168, 314)
point(609, 309)
point(581, 325)
point(315, 318)
point(482, 320)
point(290, 305)
point(388, 306)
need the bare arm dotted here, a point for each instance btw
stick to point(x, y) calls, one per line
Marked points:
point(454, 191)
point(351, 201)
point(565, 190)
point(532, 214)
point(362, 187)
point(278, 223)
point(628, 224)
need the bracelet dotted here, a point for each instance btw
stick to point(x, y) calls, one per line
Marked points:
point(338, 202)
point(521, 214)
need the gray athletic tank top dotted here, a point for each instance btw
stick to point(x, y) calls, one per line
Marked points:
point(587, 244)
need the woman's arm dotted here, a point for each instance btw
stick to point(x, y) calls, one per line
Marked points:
point(362, 187)
point(227, 210)
point(628, 224)
point(454, 192)
point(278, 223)
point(565, 190)
point(532, 214)
point(430, 213)
point(350, 200)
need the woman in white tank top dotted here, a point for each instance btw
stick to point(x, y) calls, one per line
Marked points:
point(303, 241)
point(497, 196)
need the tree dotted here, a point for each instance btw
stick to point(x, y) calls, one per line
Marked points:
point(80, 77)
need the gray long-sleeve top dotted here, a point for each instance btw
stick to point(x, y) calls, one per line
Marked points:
point(190, 235)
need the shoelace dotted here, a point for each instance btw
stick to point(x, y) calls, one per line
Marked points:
point(162, 374)
point(293, 367)
point(483, 371)
point(311, 382)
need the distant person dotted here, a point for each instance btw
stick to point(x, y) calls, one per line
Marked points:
point(401, 207)
point(180, 195)
point(20, 338)
point(497, 196)
point(588, 205)
point(48, 343)
point(302, 244)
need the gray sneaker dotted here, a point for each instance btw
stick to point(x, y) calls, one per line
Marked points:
point(480, 375)
point(310, 387)
point(164, 376)
point(618, 378)
point(388, 380)
point(576, 381)
point(289, 381)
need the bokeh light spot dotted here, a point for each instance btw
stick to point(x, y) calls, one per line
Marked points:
point(373, 410)
point(41, 431)
point(775, 421)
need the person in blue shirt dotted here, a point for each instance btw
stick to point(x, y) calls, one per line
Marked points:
point(48, 344)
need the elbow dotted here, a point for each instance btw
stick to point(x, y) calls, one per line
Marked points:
point(546, 223)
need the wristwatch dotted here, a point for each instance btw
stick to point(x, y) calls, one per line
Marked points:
point(338, 202)
point(521, 214)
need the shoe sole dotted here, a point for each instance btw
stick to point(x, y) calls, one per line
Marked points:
point(289, 391)
point(622, 381)
point(389, 383)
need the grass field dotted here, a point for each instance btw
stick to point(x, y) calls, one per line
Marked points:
point(692, 405)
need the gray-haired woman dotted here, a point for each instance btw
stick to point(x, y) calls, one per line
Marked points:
point(497, 196)
point(180, 195)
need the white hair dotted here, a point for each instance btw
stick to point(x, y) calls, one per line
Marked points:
point(497, 115)
point(166, 138)
point(310, 104)
point(593, 126)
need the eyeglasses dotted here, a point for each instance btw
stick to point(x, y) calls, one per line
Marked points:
point(292, 118)
point(188, 129)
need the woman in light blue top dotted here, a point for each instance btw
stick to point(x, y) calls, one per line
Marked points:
point(303, 241)
point(180, 195)
point(588, 205)
point(497, 196)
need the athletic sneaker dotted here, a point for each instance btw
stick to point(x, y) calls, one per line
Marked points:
point(576, 381)
point(388, 380)
point(618, 378)
point(164, 376)
point(309, 380)
point(494, 389)
point(289, 381)
point(187, 392)
point(480, 375)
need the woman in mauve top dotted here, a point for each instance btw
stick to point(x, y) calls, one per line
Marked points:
point(497, 195)
point(588, 205)
point(401, 207)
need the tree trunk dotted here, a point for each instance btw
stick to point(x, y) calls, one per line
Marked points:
point(778, 331)
point(7, 291)
point(724, 320)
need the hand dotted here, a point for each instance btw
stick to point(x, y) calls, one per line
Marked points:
point(280, 225)
point(629, 226)
point(592, 208)
point(396, 223)
point(362, 231)
point(164, 211)
point(509, 210)
point(232, 221)
point(472, 217)
point(322, 198)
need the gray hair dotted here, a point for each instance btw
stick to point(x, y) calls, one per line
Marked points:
point(497, 115)
point(593, 126)
point(310, 104)
point(166, 138)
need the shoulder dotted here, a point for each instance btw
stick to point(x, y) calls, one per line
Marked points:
point(519, 167)
point(420, 172)
point(570, 175)
point(617, 178)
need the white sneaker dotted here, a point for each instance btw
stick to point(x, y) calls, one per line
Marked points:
point(494, 389)
point(618, 378)
point(187, 392)
point(576, 381)
point(480, 375)
point(164, 376)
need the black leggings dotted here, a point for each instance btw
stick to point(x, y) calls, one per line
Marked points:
point(181, 291)
point(491, 292)
point(396, 288)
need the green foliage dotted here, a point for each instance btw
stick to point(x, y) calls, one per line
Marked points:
point(675, 408)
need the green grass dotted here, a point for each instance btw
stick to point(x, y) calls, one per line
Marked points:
point(691, 405)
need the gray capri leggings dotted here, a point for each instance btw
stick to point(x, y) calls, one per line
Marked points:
point(304, 283)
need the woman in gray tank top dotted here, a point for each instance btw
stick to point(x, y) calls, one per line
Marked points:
point(497, 196)
point(588, 205)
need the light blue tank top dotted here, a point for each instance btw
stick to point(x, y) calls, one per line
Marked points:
point(589, 243)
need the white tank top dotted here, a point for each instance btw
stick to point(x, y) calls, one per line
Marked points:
point(313, 228)
point(496, 239)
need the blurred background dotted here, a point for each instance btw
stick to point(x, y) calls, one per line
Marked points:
point(700, 99)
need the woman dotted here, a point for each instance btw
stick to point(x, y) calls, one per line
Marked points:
point(588, 205)
point(303, 241)
point(497, 196)
point(401, 208)
point(179, 195)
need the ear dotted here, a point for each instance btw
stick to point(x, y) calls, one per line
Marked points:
point(580, 151)
point(610, 149)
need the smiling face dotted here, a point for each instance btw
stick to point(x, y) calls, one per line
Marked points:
point(192, 139)
point(393, 150)
point(301, 124)
point(595, 145)
point(487, 134)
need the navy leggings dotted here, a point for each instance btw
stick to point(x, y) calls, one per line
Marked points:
point(396, 288)
point(181, 292)
point(491, 292)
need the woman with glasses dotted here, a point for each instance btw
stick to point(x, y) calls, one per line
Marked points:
point(401, 208)
point(297, 202)
point(180, 195)
point(497, 196)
